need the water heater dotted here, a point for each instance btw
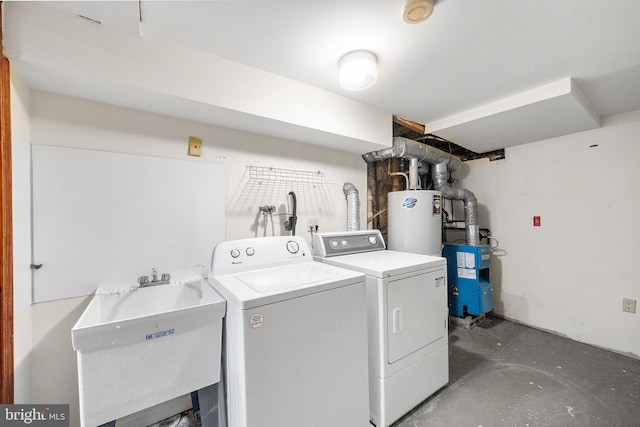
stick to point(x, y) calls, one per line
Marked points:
point(415, 221)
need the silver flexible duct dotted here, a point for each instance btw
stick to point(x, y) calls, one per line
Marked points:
point(443, 163)
point(353, 206)
point(408, 148)
point(440, 177)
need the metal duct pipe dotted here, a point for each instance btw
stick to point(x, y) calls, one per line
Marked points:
point(413, 174)
point(440, 177)
point(408, 149)
point(443, 163)
point(423, 168)
point(353, 206)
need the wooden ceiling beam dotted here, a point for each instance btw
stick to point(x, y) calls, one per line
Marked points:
point(416, 127)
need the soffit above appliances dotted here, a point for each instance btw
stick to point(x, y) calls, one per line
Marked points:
point(465, 56)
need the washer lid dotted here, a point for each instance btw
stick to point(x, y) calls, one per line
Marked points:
point(386, 263)
point(269, 285)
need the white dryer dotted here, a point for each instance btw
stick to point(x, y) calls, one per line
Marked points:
point(407, 317)
point(295, 343)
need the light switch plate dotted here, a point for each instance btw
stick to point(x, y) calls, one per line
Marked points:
point(195, 146)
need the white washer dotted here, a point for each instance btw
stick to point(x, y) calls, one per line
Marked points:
point(295, 343)
point(407, 316)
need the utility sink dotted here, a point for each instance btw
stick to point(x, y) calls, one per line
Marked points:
point(138, 348)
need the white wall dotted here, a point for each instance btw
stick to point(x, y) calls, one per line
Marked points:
point(106, 64)
point(569, 275)
point(20, 152)
point(71, 122)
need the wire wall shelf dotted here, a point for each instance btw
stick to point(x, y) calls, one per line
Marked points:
point(270, 186)
point(294, 178)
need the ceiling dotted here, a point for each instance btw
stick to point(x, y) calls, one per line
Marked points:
point(483, 74)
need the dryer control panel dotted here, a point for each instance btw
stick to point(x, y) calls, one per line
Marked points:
point(347, 242)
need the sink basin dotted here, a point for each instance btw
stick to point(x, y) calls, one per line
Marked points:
point(138, 348)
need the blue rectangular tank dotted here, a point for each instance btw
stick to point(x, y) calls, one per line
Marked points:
point(468, 271)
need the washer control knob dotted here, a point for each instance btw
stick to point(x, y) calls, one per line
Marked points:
point(250, 251)
point(373, 240)
point(235, 253)
point(292, 247)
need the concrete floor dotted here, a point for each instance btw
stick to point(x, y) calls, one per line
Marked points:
point(506, 374)
point(181, 420)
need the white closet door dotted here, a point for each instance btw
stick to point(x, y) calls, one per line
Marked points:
point(102, 219)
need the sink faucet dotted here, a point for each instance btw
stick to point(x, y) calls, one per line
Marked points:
point(144, 280)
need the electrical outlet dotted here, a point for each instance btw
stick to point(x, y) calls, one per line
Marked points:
point(195, 146)
point(629, 305)
point(313, 223)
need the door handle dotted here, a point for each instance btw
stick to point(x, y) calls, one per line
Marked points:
point(397, 320)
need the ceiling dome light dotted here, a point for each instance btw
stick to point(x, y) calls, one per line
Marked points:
point(358, 70)
point(416, 11)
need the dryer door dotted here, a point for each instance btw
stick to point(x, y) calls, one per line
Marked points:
point(415, 308)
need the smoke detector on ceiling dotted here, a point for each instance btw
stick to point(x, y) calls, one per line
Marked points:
point(416, 11)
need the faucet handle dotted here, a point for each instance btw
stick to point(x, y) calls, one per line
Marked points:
point(165, 277)
point(143, 280)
